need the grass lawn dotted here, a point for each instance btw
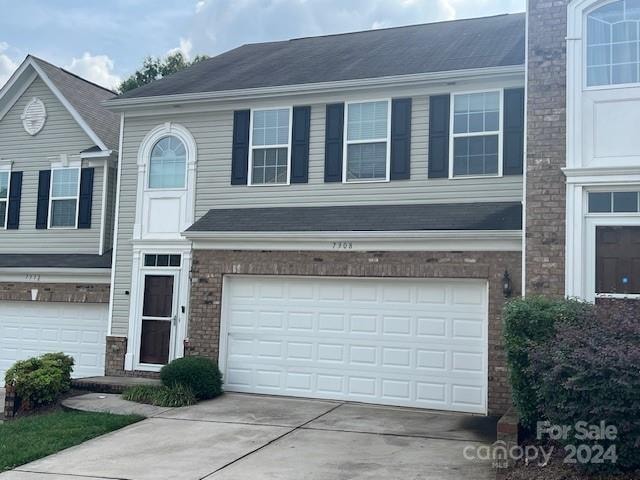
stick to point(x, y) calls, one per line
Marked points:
point(29, 438)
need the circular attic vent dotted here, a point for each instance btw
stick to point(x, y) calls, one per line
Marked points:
point(34, 116)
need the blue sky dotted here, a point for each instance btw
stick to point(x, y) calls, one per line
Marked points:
point(106, 40)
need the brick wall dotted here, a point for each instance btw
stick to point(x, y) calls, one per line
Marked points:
point(54, 292)
point(114, 360)
point(546, 154)
point(209, 267)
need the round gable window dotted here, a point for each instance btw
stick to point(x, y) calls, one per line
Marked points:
point(34, 116)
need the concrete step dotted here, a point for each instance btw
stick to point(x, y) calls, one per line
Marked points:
point(111, 384)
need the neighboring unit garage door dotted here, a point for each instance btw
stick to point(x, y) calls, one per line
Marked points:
point(33, 328)
point(416, 343)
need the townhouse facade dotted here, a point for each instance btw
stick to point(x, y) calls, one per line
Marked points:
point(58, 164)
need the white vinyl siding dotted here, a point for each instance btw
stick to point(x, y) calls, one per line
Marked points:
point(31, 154)
point(213, 132)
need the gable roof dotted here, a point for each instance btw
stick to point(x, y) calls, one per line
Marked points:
point(83, 99)
point(477, 43)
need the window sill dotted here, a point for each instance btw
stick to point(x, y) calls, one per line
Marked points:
point(473, 177)
point(376, 180)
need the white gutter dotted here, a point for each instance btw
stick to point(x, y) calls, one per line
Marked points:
point(307, 88)
point(442, 240)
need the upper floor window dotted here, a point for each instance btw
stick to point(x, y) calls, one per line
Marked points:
point(613, 44)
point(270, 146)
point(167, 165)
point(4, 198)
point(63, 205)
point(367, 146)
point(477, 134)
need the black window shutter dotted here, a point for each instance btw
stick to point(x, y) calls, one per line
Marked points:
point(439, 116)
point(401, 139)
point(334, 133)
point(42, 211)
point(513, 148)
point(300, 144)
point(240, 153)
point(15, 194)
point(85, 203)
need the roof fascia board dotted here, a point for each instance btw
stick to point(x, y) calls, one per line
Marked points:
point(506, 240)
point(74, 113)
point(303, 89)
point(26, 84)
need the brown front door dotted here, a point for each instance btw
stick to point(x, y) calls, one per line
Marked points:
point(618, 260)
point(157, 319)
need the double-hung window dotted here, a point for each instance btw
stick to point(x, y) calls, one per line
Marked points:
point(367, 149)
point(63, 204)
point(270, 146)
point(476, 140)
point(4, 197)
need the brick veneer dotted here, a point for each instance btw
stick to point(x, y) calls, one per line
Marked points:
point(55, 292)
point(209, 268)
point(114, 360)
point(546, 147)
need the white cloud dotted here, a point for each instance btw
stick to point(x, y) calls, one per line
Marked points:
point(95, 68)
point(7, 66)
point(185, 48)
point(200, 5)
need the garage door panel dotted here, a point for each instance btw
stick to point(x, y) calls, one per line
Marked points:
point(29, 329)
point(400, 342)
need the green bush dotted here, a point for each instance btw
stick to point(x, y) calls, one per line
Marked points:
point(40, 380)
point(161, 396)
point(590, 372)
point(200, 374)
point(530, 322)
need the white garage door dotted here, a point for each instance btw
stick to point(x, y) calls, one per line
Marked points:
point(417, 343)
point(32, 328)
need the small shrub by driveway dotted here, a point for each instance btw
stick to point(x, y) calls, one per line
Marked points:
point(30, 438)
point(201, 375)
point(161, 395)
point(40, 380)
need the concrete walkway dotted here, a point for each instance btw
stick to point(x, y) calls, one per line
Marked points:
point(111, 403)
point(258, 437)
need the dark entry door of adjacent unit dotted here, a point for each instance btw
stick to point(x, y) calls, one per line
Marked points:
point(618, 260)
point(157, 319)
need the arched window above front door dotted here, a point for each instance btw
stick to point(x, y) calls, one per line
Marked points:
point(167, 165)
point(613, 44)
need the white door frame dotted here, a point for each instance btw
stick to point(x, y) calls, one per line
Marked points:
point(181, 303)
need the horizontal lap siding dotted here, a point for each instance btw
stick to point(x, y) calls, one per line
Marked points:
point(30, 154)
point(213, 134)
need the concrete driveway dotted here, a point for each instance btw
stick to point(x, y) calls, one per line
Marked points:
point(259, 437)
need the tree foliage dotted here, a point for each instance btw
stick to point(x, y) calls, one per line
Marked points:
point(154, 68)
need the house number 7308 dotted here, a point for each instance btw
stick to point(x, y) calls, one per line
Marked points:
point(343, 245)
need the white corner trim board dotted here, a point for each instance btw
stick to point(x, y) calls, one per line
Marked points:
point(437, 241)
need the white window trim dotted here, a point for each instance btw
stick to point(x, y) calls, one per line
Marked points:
point(147, 180)
point(263, 147)
point(585, 54)
point(347, 142)
point(499, 132)
point(6, 169)
point(76, 197)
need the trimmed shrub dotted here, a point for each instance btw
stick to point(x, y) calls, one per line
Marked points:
point(40, 380)
point(529, 322)
point(200, 374)
point(161, 396)
point(590, 371)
